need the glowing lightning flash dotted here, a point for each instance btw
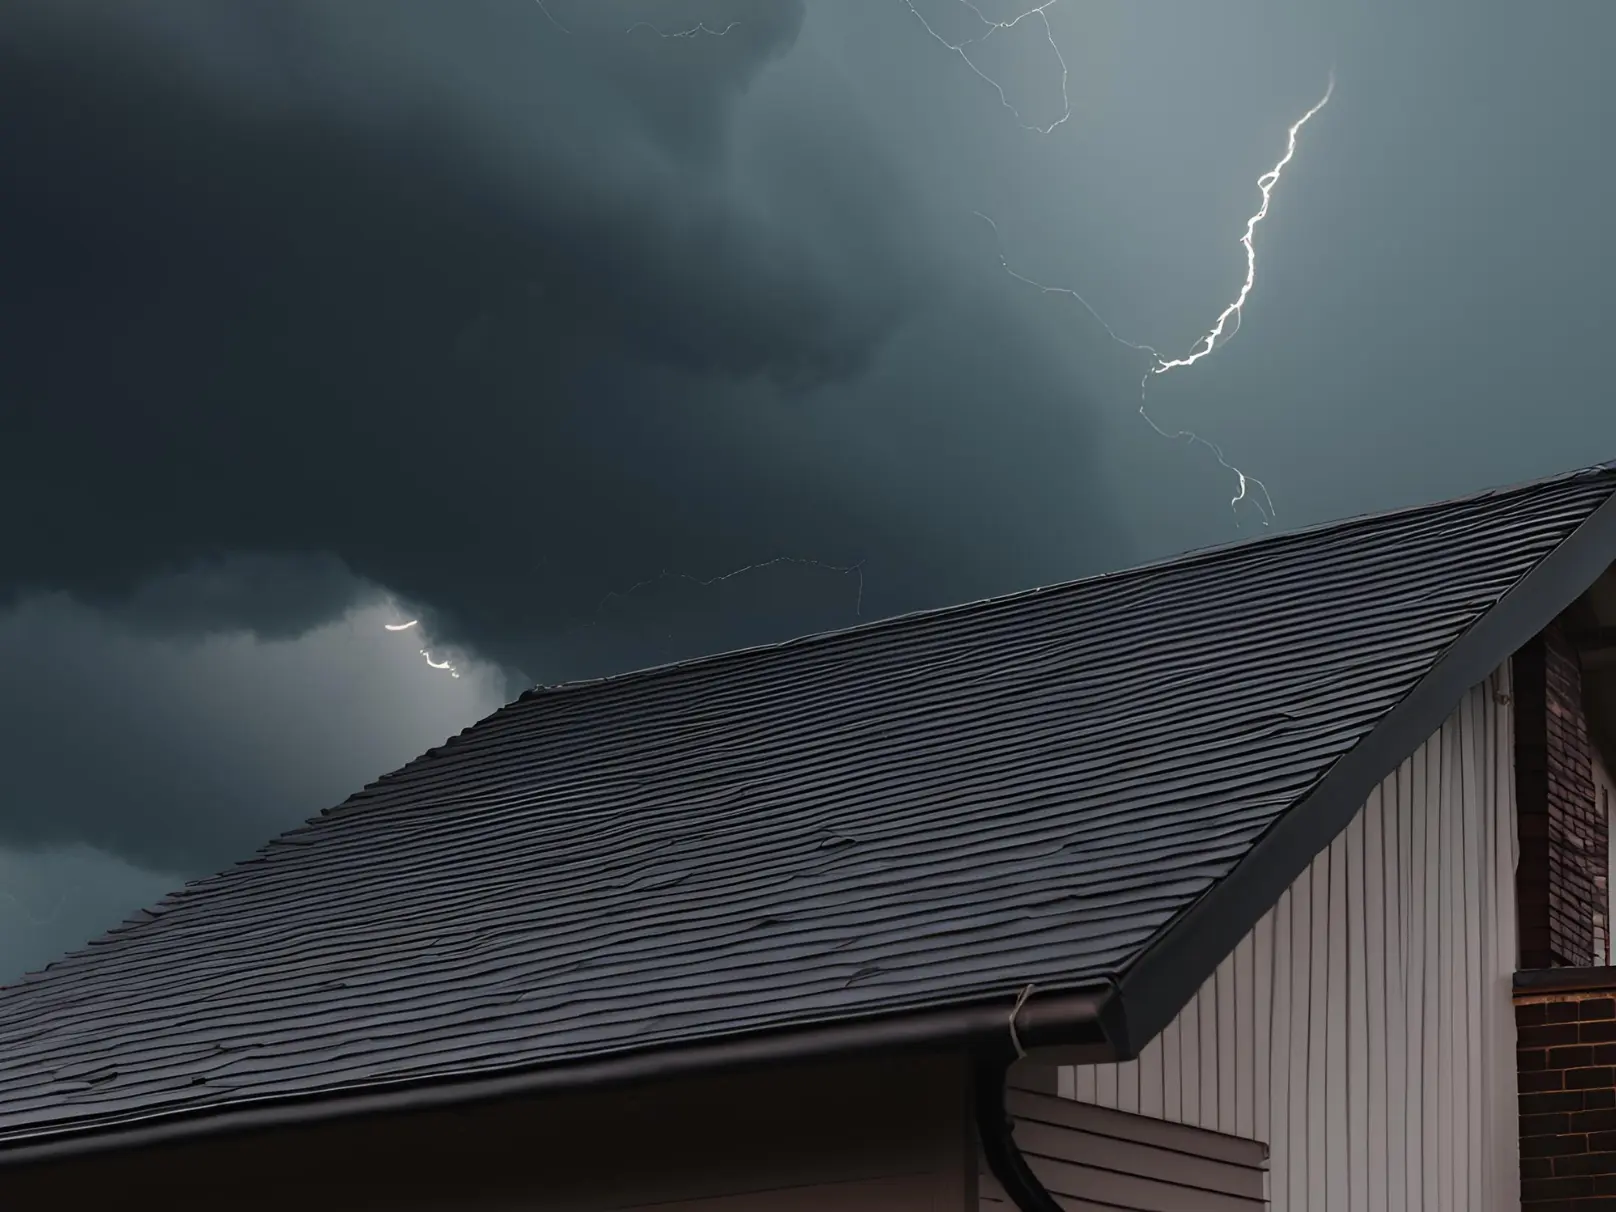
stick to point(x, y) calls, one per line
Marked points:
point(1248, 487)
point(1223, 328)
point(1265, 186)
point(447, 666)
point(453, 672)
point(993, 27)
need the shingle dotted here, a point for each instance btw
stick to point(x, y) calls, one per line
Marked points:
point(909, 814)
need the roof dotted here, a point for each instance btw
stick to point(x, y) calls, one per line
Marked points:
point(1097, 785)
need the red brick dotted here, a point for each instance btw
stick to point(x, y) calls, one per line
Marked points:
point(1597, 1007)
point(1537, 1083)
point(1584, 1079)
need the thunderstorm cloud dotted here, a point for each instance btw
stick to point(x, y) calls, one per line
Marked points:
point(537, 323)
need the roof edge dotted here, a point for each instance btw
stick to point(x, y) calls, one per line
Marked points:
point(1190, 555)
point(1162, 981)
point(1079, 1023)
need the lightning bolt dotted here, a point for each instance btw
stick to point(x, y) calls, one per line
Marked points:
point(1244, 483)
point(1227, 324)
point(1224, 327)
point(854, 570)
point(991, 27)
point(453, 672)
point(1265, 187)
point(447, 666)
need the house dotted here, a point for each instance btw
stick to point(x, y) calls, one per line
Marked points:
point(1275, 875)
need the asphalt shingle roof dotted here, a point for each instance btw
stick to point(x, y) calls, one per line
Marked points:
point(904, 815)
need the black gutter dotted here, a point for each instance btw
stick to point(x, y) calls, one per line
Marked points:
point(1080, 1023)
point(1162, 981)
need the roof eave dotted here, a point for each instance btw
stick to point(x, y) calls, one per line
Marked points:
point(1075, 1025)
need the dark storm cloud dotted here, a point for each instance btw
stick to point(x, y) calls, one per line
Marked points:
point(274, 597)
point(184, 753)
point(308, 306)
point(412, 284)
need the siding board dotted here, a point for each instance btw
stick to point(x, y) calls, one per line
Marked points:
point(1091, 1158)
point(1366, 1021)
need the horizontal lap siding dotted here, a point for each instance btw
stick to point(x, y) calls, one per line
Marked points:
point(1093, 1159)
point(1364, 1027)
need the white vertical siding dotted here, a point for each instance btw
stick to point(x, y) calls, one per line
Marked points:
point(1364, 1027)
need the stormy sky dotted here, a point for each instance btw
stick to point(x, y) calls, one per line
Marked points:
point(535, 322)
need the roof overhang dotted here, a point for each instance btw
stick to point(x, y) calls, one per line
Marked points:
point(1077, 1026)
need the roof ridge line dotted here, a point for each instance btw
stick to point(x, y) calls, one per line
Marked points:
point(1182, 559)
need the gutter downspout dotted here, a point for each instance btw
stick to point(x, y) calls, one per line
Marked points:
point(990, 1074)
point(998, 1133)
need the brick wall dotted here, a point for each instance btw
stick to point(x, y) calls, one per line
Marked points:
point(1567, 1082)
point(1561, 878)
